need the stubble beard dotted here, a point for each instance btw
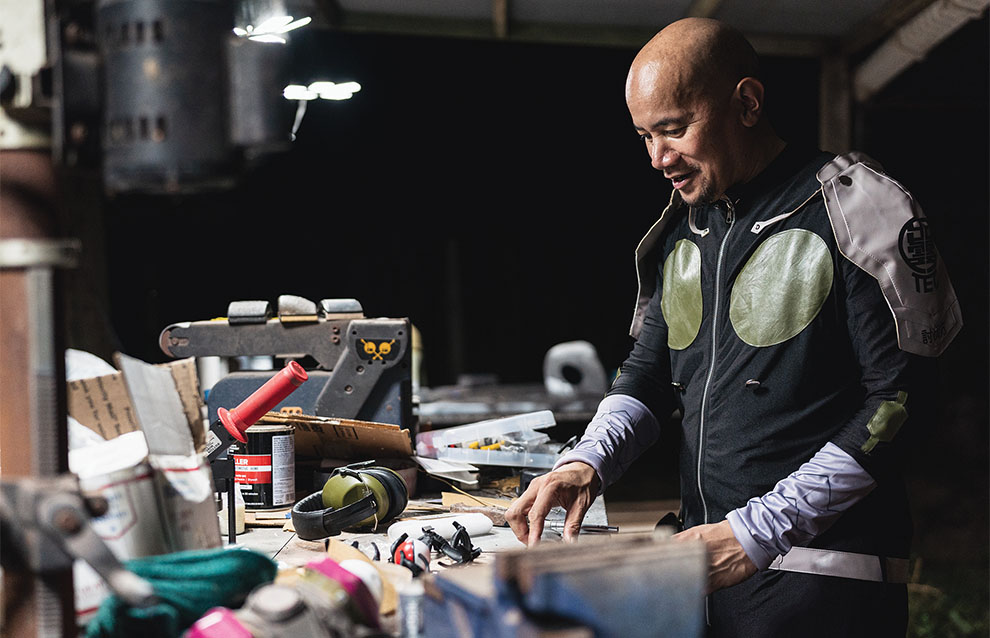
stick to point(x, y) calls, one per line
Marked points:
point(705, 195)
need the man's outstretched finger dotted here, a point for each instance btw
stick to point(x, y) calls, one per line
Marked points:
point(517, 513)
point(572, 521)
point(538, 513)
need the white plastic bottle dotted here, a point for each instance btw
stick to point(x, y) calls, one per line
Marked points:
point(238, 512)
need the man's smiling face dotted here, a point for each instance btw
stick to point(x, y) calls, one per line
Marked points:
point(687, 130)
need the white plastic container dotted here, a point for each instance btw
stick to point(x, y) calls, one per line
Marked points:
point(239, 511)
point(515, 439)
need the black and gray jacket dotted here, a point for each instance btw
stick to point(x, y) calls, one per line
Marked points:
point(801, 309)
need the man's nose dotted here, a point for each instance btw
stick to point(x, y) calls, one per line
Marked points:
point(662, 156)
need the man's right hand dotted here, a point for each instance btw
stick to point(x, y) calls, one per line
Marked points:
point(573, 487)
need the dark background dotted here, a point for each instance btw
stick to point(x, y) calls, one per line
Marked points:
point(494, 193)
point(491, 192)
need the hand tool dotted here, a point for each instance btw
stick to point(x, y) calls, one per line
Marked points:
point(230, 425)
point(359, 368)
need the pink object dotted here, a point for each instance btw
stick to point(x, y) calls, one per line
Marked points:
point(353, 585)
point(218, 622)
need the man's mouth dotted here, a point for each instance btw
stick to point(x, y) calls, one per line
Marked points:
point(681, 178)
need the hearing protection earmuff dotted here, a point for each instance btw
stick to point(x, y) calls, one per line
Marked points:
point(355, 496)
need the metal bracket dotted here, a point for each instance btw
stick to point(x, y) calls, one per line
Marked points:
point(46, 525)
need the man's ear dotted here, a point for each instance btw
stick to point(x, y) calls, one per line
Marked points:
point(749, 93)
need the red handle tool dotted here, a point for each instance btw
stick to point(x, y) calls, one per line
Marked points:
point(231, 424)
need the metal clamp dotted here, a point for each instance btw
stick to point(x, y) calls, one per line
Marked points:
point(46, 526)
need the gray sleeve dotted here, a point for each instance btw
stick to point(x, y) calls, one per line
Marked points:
point(801, 506)
point(622, 429)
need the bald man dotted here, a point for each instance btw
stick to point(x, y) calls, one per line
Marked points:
point(791, 303)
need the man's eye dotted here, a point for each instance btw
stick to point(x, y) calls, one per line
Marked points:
point(675, 132)
point(645, 137)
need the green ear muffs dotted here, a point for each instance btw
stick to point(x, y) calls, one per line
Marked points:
point(356, 495)
point(394, 487)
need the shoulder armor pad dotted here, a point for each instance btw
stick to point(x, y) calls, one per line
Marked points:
point(879, 227)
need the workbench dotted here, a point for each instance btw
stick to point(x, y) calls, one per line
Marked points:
point(477, 578)
point(288, 550)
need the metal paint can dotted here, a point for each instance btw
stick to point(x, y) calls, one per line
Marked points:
point(265, 468)
point(119, 471)
point(132, 526)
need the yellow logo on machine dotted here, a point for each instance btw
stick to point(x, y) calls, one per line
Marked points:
point(378, 350)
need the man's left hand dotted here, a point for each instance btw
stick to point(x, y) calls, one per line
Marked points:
point(729, 563)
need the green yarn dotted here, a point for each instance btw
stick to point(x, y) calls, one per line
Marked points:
point(187, 584)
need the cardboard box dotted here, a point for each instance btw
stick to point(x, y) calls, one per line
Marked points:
point(103, 404)
point(163, 403)
point(321, 437)
point(151, 467)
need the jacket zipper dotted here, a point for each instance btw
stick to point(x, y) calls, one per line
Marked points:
point(730, 218)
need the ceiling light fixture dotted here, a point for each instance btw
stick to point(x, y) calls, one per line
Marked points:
point(323, 90)
point(271, 29)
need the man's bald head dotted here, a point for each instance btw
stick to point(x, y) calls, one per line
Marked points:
point(696, 101)
point(695, 58)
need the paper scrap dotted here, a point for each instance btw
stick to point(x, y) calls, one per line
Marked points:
point(451, 470)
point(159, 410)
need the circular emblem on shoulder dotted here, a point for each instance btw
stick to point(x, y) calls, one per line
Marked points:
point(916, 244)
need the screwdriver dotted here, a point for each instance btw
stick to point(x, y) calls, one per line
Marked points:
point(230, 425)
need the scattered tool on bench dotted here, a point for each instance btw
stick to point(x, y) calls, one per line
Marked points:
point(362, 365)
point(415, 554)
point(231, 425)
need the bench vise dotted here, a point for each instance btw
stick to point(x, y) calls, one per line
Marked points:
point(359, 368)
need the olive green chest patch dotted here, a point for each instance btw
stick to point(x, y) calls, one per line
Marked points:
point(781, 289)
point(681, 302)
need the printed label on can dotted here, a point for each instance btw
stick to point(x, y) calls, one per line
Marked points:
point(133, 525)
point(283, 470)
point(276, 471)
point(252, 469)
point(266, 467)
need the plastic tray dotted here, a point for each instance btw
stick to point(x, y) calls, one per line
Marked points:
point(452, 443)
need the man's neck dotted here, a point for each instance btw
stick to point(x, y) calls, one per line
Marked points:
point(762, 153)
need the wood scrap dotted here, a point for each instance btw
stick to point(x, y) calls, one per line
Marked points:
point(495, 514)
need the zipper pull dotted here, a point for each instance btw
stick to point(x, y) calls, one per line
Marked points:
point(730, 212)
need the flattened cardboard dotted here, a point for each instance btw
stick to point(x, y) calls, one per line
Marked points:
point(187, 383)
point(103, 404)
point(328, 437)
point(159, 410)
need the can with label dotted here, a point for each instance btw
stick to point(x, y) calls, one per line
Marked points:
point(265, 468)
point(132, 526)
